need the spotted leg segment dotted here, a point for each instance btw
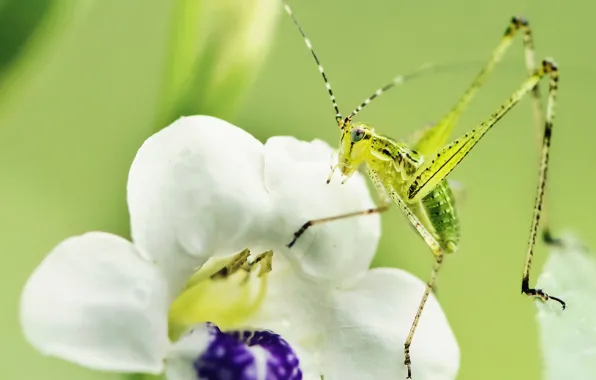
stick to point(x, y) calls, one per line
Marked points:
point(437, 169)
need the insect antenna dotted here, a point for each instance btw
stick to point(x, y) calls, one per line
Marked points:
point(403, 78)
point(338, 116)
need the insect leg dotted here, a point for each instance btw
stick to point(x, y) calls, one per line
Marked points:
point(434, 171)
point(548, 126)
point(384, 207)
point(530, 59)
point(434, 138)
point(435, 248)
point(429, 287)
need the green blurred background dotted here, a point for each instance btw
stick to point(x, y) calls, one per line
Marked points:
point(83, 85)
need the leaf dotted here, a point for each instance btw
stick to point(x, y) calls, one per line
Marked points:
point(568, 338)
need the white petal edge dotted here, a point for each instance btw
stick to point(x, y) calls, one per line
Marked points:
point(358, 331)
point(96, 302)
point(568, 337)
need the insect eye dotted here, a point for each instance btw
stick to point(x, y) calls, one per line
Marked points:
point(357, 134)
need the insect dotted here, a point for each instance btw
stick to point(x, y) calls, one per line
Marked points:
point(413, 175)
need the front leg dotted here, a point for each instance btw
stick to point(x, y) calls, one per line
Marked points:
point(384, 207)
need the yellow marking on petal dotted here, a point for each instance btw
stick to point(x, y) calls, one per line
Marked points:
point(225, 301)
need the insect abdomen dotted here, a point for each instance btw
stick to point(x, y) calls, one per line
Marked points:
point(439, 206)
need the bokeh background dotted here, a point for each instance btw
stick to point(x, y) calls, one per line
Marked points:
point(83, 83)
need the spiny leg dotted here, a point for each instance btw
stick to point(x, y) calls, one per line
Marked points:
point(429, 288)
point(434, 170)
point(530, 59)
point(437, 169)
point(548, 127)
point(435, 248)
point(431, 139)
point(547, 237)
point(313, 222)
point(436, 137)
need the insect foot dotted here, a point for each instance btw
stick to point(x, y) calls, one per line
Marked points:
point(538, 293)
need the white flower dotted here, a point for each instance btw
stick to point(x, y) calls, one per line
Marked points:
point(568, 337)
point(199, 191)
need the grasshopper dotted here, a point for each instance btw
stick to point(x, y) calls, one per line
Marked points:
point(413, 175)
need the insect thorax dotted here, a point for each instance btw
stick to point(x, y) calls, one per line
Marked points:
point(437, 210)
point(395, 158)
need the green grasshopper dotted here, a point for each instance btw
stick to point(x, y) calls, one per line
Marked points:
point(414, 177)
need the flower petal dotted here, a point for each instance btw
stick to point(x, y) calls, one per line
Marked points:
point(568, 337)
point(194, 188)
point(358, 331)
point(94, 301)
point(296, 173)
point(203, 187)
point(180, 359)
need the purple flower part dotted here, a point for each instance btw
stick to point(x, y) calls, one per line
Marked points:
point(247, 355)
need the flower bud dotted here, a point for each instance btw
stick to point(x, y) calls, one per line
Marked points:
point(217, 48)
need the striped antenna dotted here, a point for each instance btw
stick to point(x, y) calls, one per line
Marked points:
point(338, 116)
point(403, 78)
